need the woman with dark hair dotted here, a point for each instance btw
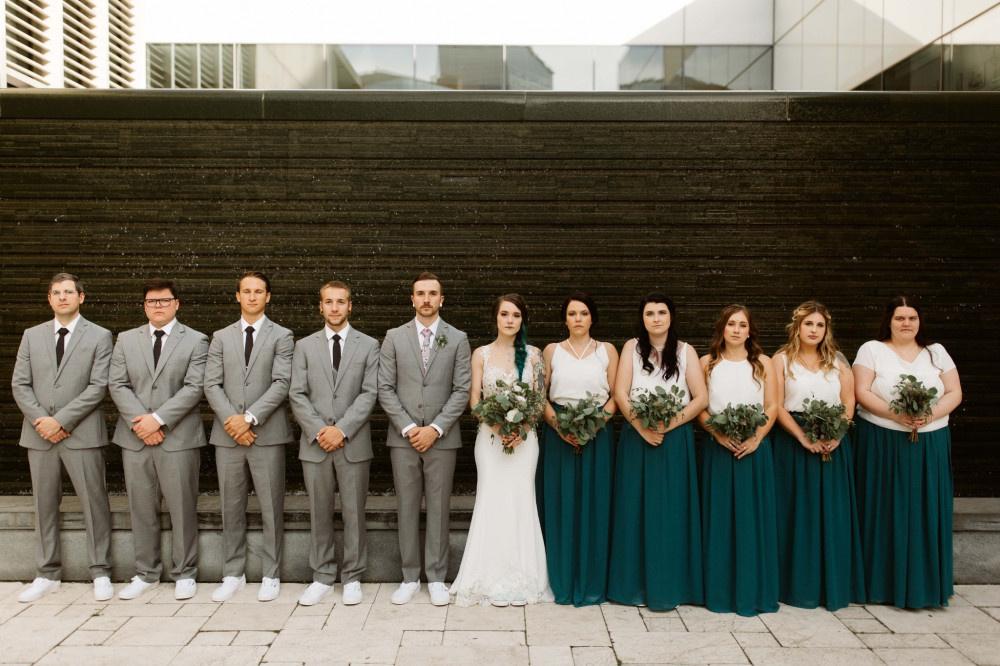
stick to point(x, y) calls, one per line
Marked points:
point(504, 559)
point(576, 477)
point(819, 545)
point(737, 477)
point(656, 529)
point(905, 487)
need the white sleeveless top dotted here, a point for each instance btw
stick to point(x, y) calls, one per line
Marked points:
point(733, 382)
point(888, 366)
point(817, 385)
point(572, 378)
point(642, 380)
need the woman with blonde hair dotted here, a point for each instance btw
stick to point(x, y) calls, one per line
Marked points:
point(819, 544)
point(737, 477)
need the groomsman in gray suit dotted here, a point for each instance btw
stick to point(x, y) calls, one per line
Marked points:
point(157, 375)
point(334, 390)
point(60, 378)
point(423, 386)
point(246, 382)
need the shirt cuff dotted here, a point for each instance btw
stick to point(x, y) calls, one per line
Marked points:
point(408, 429)
point(252, 417)
point(438, 428)
point(158, 419)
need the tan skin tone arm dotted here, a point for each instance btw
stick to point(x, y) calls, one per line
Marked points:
point(949, 401)
point(610, 406)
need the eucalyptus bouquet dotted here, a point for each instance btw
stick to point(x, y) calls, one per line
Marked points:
point(582, 419)
point(739, 422)
point(514, 408)
point(915, 400)
point(658, 406)
point(823, 422)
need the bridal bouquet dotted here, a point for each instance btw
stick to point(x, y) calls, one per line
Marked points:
point(514, 408)
point(738, 423)
point(656, 408)
point(582, 419)
point(915, 400)
point(823, 422)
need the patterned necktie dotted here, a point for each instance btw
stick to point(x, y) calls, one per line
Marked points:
point(248, 348)
point(61, 345)
point(157, 346)
point(425, 348)
point(335, 352)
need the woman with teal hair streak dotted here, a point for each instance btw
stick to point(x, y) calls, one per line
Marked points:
point(575, 478)
point(819, 543)
point(656, 544)
point(904, 486)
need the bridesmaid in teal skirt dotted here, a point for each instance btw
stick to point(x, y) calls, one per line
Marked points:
point(904, 486)
point(819, 543)
point(737, 498)
point(656, 539)
point(574, 478)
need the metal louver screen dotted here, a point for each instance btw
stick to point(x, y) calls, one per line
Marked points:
point(120, 44)
point(79, 34)
point(26, 63)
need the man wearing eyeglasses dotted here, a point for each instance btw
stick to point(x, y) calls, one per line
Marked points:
point(60, 378)
point(157, 375)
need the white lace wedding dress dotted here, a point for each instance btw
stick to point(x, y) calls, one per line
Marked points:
point(504, 559)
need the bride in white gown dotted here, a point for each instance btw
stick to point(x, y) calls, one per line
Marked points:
point(504, 559)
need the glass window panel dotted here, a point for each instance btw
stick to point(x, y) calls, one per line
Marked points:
point(248, 66)
point(651, 68)
point(972, 67)
point(921, 71)
point(526, 70)
point(788, 13)
point(290, 67)
point(859, 42)
point(460, 67)
point(227, 66)
point(983, 29)
point(580, 68)
point(383, 67)
point(788, 60)
point(185, 66)
point(718, 67)
point(957, 12)
point(909, 26)
point(819, 47)
point(159, 63)
point(210, 62)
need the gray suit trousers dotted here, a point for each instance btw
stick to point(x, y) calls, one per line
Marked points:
point(429, 474)
point(86, 470)
point(148, 472)
point(267, 469)
point(322, 480)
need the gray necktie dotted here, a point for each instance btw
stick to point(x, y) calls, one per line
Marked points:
point(425, 348)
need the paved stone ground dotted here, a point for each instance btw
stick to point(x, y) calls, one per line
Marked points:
point(69, 628)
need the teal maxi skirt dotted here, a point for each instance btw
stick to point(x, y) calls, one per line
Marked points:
point(576, 515)
point(656, 546)
point(819, 538)
point(905, 501)
point(738, 523)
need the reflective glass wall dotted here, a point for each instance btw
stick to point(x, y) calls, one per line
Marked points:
point(886, 45)
point(466, 67)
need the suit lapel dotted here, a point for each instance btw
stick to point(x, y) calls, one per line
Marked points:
point(345, 359)
point(173, 340)
point(441, 333)
point(146, 347)
point(323, 356)
point(259, 338)
point(50, 345)
point(74, 340)
point(411, 336)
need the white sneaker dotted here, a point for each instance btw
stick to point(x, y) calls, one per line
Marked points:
point(352, 594)
point(269, 590)
point(499, 603)
point(439, 594)
point(135, 588)
point(314, 594)
point(38, 589)
point(103, 589)
point(404, 593)
point(230, 586)
point(185, 588)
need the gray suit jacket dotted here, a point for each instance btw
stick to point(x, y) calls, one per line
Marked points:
point(173, 390)
point(439, 398)
point(232, 387)
point(318, 399)
point(71, 393)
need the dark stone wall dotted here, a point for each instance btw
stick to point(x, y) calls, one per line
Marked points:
point(765, 199)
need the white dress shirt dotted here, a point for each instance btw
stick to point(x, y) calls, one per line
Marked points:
point(343, 339)
point(167, 328)
point(420, 343)
point(70, 327)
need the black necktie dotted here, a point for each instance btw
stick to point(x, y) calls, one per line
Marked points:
point(61, 345)
point(335, 353)
point(248, 348)
point(157, 346)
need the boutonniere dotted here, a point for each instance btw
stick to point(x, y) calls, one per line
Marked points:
point(441, 341)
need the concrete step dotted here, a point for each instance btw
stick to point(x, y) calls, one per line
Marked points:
point(976, 539)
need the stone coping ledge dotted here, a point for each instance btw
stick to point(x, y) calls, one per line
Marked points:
point(17, 512)
point(500, 106)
